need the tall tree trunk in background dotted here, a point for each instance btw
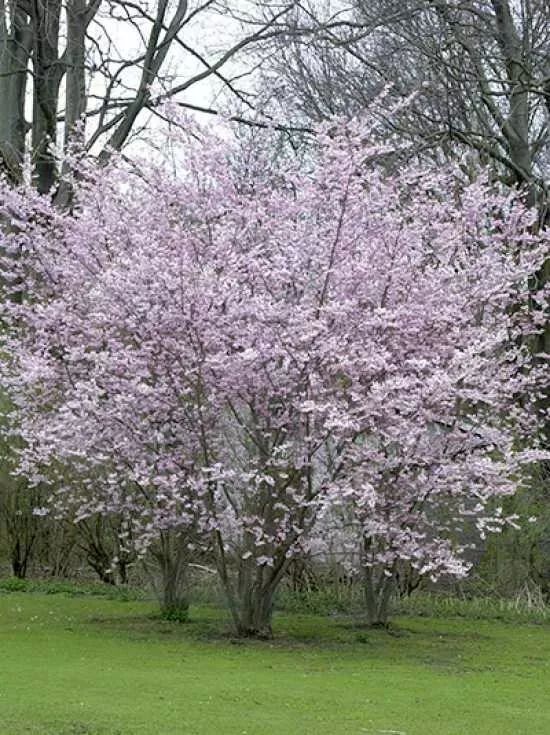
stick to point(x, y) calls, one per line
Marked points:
point(75, 90)
point(75, 80)
point(48, 72)
point(517, 126)
point(15, 47)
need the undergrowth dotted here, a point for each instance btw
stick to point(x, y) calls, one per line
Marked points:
point(71, 589)
point(524, 607)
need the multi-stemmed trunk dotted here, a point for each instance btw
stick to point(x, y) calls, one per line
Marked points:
point(170, 575)
point(257, 586)
point(174, 603)
point(251, 596)
point(379, 585)
point(256, 612)
point(99, 537)
point(379, 589)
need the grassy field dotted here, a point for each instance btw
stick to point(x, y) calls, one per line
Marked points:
point(92, 666)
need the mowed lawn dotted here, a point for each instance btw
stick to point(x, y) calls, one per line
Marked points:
point(91, 666)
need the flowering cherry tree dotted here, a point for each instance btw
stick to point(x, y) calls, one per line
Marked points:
point(247, 352)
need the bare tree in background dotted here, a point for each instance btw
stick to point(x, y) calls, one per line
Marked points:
point(85, 70)
point(479, 71)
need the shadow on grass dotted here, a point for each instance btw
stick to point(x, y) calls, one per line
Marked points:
point(440, 648)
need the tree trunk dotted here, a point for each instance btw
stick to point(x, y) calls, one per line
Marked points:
point(15, 45)
point(47, 77)
point(170, 578)
point(174, 604)
point(256, 592)
point(256, 613)
point(378, 593)
point(19, 560)
point(21, 525)
point(75, 93)
point(517, 127)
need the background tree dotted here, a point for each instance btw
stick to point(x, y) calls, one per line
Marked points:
point(478, 70)
point(86, 73)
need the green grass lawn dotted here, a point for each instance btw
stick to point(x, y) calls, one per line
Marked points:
point(91, 666)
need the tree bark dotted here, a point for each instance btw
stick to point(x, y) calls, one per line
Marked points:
point(75, 93)
point(15, 47)
point(170, 579)
point(48, 72)
point(378, 593)
point(256, 613)
point(517, 127)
